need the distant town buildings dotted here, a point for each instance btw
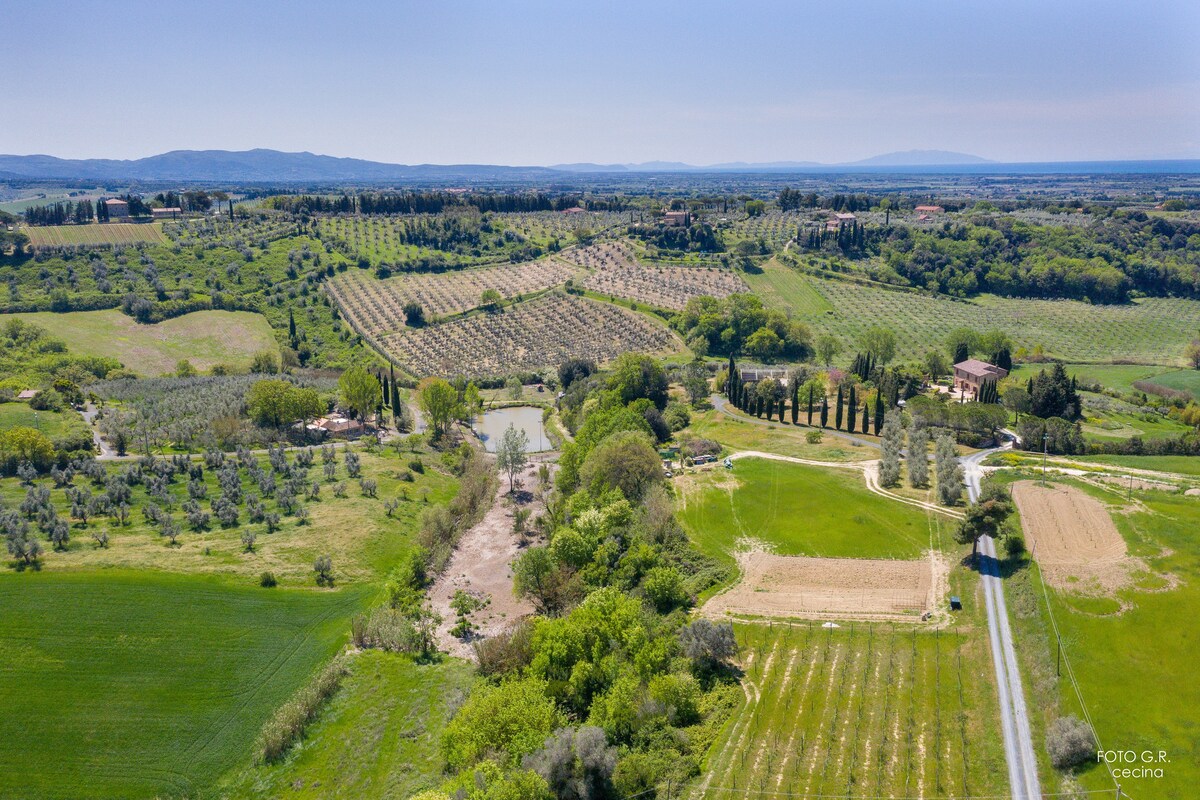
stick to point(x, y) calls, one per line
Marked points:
point(166, 213)
point(680, 219)
point(930, 210)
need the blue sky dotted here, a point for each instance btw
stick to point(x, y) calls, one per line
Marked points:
point(514, 82)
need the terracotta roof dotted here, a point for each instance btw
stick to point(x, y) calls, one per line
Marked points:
point(115, 202)
point(980, 369)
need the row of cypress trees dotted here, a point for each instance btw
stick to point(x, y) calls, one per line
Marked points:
point(846, 410)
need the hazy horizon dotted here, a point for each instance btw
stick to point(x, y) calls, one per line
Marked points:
point(540, 83)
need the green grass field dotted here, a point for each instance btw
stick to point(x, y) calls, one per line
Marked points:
point(798, 510)
point(1184, 380)
point(108, 233)
point(784, 439)
point(122, 685)
point(380, 736)
point(863, 711)
point(1135, 666)
point(1119, 377)
point(1150, 330)
point(55, 424)
point(781, 286)
point(203, 337)
point(1183, 465)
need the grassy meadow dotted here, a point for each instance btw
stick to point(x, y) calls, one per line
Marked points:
point(55, 424)
point(117, 684)
point(379, 737)
point(798, 510)
point(203, 337)
point(739, 433)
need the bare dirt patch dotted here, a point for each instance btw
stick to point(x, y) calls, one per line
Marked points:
point(1073, 538)
point(482, 566)
point(850, 588)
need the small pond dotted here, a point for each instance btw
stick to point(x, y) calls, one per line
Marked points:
point(492, 424)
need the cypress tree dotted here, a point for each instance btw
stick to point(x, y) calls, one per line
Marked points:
point(824, 412)
point(731, 383)
point(395, 397)
point(782, 407)
point(838, 414)
point(810, 405)
point(292, 327)
point(795, 401)
point(866, 416)
point(878, 410)
point(851, 411)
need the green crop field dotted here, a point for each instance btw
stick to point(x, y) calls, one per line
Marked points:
point(781, 286)
point(1132, 654)
point(123, 685)
point(861, 711)
point(1184, 380)
point(1150, 330)
point(798, 510)
point(203, 337)
point(380, 736)
point(108, 233)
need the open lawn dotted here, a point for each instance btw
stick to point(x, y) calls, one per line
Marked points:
point(108, 233)
point(55, 424)
point(117, 685)
point(867, 710)
point(203, 337)
point(380, 736)
point(1132, 654)
point(795, 509)
point(781, 438)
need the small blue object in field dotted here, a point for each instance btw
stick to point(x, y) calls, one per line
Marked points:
point(955, 603)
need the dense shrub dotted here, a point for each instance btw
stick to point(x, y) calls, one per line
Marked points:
point(1070, 742)
point(287, 724)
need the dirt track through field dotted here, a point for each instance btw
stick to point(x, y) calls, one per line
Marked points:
point(482, 566)
point(849, 588)
point(1073, 538)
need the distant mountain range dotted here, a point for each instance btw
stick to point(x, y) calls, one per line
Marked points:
point(908, 158)
point(273, 166)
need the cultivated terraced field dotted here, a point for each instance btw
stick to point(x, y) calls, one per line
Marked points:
point(874, 710)
point(1150, 330)
point(527, 337)
point(616, 272)
point(376, 306)
point(109, 233)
